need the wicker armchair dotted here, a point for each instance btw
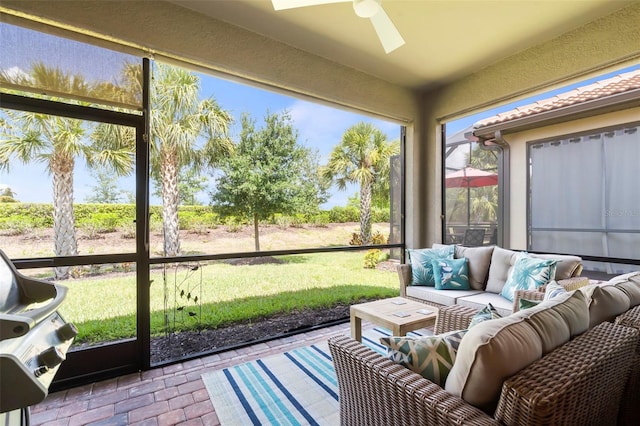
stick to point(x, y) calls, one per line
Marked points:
point(580, 383)
point(630, 405)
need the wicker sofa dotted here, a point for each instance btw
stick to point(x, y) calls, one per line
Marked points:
point(580, 383)
point(591, 379)
point(488, 270)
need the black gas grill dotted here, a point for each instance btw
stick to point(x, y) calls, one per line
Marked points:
point(34, 340)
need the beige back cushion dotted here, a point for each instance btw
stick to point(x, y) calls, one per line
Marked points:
point(494, 350)
point(489, 353)
point(630, 285)
point(558, 320)
point(605, 302)
point(478, 265)
point(479, 261)
point(502, 260)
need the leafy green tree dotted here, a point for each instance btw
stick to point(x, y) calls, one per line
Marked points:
point(7, 195)
point(269, 173)
point(362, 157)
point(106, 190)
point(56, 142)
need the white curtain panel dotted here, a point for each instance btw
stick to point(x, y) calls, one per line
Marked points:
point(587, 183)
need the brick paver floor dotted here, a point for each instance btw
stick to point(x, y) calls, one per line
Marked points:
point(171, 395)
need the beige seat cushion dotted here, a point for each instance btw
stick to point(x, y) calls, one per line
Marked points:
point(479, 261)
point(481, 299)
point(494, 350)
point(442, 297)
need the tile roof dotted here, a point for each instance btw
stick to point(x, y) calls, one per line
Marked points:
point(600, 89)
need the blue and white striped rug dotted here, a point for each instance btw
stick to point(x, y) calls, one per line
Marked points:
point(298, 387)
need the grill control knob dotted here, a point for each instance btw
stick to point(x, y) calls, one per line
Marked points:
point(67, 332)
point(50, 357)
point(40, 370)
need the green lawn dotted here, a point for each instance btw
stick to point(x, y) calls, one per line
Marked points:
point(103, 308)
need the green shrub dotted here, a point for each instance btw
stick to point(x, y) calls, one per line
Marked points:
point(233, 224)
point(36, 214)
point(128, 231)
point(107, 222)
point(320, 220)
point(12, 226)
point(186, 219)
point(344, 214)
point(379, 215)
point(282, 221)
point(99, 223)
point(19, 224)
point(90, 229)
point(298, 220)
point(376, 238)
point(379, 238)
point(355, 239)
point(372, 258)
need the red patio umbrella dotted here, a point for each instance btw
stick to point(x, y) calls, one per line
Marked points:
point(470, 178)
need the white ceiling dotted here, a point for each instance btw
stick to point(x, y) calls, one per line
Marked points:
point(445, 39)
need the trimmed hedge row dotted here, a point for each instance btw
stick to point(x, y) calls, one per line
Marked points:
point(106, 217)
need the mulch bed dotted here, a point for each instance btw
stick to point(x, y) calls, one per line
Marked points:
point(186, 344)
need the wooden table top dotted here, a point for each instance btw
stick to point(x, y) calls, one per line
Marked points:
point(392, 309)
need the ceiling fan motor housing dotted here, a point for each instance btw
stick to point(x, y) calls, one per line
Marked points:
point(366, 8)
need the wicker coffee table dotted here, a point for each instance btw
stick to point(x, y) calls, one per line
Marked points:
point(398, 314)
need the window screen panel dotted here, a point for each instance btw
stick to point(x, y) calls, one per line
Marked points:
point(43, 65)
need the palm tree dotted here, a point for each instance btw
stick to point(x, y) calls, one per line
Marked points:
point(56, 142)
point(179, 121)
point(362, 157)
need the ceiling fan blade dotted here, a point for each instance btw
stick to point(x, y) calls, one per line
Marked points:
point(387, 32)
point(291, 4)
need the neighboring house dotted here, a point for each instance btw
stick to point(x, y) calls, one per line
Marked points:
point(572, 166)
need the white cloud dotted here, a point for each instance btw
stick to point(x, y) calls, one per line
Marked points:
point(15, 73)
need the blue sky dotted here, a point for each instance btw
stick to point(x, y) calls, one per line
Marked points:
point(320, 127)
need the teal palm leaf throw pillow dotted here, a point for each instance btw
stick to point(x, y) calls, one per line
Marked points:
point(485, 314)
point(451, 274)
point(421, 267)
point(528, 273)
point(431, 356)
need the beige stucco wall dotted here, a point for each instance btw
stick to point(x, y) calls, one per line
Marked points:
point(518, 148)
